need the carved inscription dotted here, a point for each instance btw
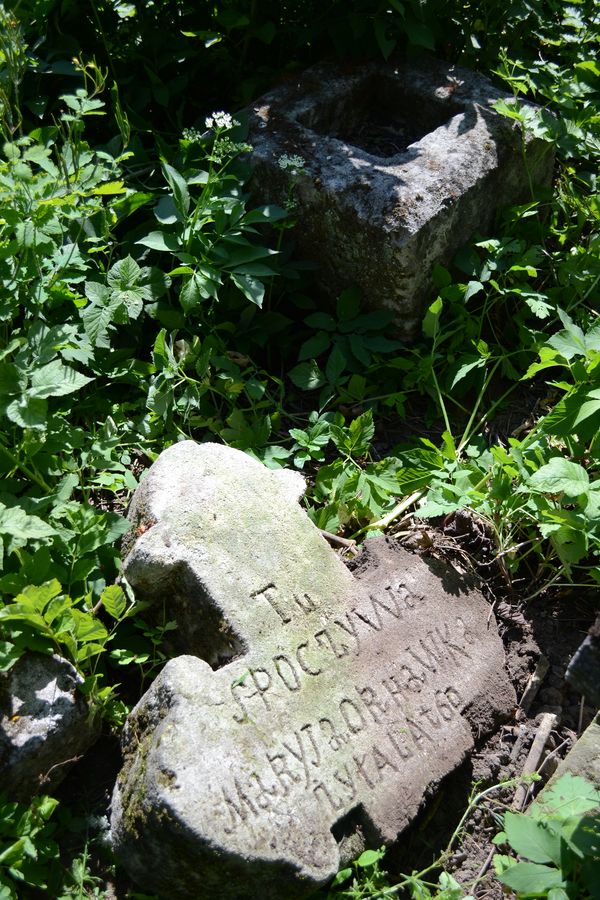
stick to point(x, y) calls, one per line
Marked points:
point(351, 694)
point(398, 716)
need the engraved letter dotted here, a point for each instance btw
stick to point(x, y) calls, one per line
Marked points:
point(278, 764)
point(376, 707)
point(334, 739)
point(355, 720)
point(360, 767)
point(306, 603)
point(350, 628)
point(304, 665)
point(269, 593)
point(381, 760)
point(335, 805)
point(324, 639)
point(291, 679)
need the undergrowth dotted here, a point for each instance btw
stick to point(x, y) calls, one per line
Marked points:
point(148, 297)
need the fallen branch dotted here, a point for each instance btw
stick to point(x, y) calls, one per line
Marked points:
point(534, 684)
point(548, 721)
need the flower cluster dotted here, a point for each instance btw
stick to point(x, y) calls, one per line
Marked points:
point(192, 135)
point(220, 120)
point(293, 162)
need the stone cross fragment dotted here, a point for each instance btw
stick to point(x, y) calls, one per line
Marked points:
point(314, 708)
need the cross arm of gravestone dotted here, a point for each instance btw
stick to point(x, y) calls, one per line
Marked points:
point(317, 708)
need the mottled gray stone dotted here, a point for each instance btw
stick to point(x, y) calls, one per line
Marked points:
point(320, 706)
point(583, 759)
point(403, 164)
point(583, 672)
point(45, 723)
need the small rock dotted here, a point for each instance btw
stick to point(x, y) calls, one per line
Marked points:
point(45, 724)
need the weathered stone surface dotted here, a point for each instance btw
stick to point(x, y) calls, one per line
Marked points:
point(583, 672)
point(45, 724)
point(402, 164)
point(325, 705)
point(583, 759)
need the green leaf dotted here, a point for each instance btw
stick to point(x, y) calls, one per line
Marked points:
point(570, 795)
point(161, 240)
point(420, 34)
point(251, 287)
point(124, 274)
point(307, 376)
point(560, 476)
point(531, 878)
point(432, 316)
point(348, 305)
point(114, 601)
point(476, 362)
point(22, 527)
point(56, 380)
point(314, 346)
point(28, 412)
point(369, 858)
point(342, 875)
point(177, 183)
point(535, 840)
point(336, 364)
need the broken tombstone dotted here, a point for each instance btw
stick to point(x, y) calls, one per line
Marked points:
point(314, 708)
point(401, 165)
point(45, 724)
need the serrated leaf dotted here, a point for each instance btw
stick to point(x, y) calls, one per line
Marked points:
point(114, 600)
point(533, 839)
point(570, 795)
point(96, 318)
point(22, 527)
point(28, 412)
point(560, 476)
point(474, 363)
point(56, 380)
point(124, 274)
point(110, 187)
point(531, 878)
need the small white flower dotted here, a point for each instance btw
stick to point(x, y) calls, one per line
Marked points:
point(291, 161)
point(220, 120)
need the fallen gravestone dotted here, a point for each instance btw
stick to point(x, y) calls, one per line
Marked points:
point(319, 707)
point(400, 165)
point(45, 724)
